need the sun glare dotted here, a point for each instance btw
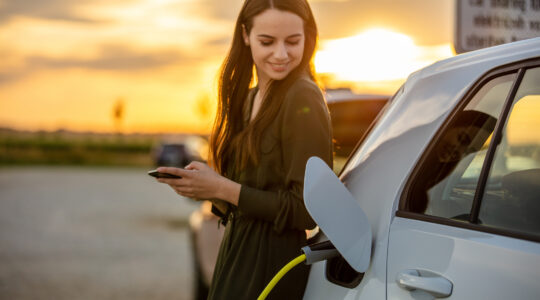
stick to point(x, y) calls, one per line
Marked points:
point(375, 55)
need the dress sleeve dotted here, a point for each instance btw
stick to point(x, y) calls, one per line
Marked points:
point(305, 132)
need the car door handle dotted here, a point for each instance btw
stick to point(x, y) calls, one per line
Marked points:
point(432, 283)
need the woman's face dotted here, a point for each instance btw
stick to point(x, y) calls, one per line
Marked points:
point(277, 43)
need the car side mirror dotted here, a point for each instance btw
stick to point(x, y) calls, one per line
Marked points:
point(338, 214)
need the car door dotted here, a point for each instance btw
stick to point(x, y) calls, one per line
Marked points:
point(468, 222)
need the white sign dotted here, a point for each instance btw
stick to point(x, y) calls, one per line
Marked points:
point(486, 23)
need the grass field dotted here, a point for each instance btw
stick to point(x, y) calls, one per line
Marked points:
point(87, 149)
point(71, 148)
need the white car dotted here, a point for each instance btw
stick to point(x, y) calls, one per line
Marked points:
point(442, 198)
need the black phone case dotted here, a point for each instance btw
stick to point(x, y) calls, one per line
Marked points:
point(157, 174)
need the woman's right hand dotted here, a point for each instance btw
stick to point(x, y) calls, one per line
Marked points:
point(199, 181)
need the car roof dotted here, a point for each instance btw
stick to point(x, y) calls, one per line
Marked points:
point(494, 56)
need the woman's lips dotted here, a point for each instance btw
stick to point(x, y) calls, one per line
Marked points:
point(278, 67)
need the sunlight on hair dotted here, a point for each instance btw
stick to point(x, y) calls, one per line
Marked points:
point(374, 55)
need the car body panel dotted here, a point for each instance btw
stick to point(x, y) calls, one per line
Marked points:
point(378, 170)
point(480, 265)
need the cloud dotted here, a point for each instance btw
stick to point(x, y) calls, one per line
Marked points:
point(112, 58)
point(49, 9)
point(219, 42)
point(116, 58)
point(221, 9)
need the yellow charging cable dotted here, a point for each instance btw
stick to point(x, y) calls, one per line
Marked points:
point(280, 274)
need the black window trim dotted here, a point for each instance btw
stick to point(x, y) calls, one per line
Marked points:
point(495, 141)
point(463, 224)
point(519, 68)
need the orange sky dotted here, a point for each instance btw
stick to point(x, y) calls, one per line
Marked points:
point(65, 63)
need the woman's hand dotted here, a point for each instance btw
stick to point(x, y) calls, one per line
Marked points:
point(199, 181)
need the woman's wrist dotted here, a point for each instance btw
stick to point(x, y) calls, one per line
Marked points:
point(229, 191)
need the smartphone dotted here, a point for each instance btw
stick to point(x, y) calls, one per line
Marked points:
point(157, 174)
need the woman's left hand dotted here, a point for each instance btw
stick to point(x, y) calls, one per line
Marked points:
point(199, 181)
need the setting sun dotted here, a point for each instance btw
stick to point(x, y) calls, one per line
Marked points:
point(375, 55)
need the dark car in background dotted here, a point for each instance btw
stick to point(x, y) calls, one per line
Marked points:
point(180, 151)
point(351, 116)
point(172, 155)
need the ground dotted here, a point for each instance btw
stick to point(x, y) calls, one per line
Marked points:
point(92, 233)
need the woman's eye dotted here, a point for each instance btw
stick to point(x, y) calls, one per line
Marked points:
point(268, 43)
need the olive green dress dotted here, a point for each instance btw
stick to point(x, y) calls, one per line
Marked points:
point(267, 228)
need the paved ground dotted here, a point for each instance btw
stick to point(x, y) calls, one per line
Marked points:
point(91, 233)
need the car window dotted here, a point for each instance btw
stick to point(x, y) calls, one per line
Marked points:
point(467, 177)
point(511, 199)
point(447, 180)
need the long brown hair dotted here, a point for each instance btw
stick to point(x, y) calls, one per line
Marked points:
point(230, 141)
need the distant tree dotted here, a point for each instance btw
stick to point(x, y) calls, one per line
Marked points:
point(118, 114)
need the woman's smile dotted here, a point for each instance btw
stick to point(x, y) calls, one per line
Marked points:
point(279, 67)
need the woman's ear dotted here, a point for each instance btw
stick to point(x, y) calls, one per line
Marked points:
point(245, 35)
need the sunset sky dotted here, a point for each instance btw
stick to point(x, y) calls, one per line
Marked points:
point(66, 64)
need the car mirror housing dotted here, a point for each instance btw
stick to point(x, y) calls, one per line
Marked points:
point(338, 214)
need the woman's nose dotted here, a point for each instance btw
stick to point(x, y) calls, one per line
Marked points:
point(280, 52)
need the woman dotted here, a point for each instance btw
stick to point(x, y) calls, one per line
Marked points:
point(260, 144)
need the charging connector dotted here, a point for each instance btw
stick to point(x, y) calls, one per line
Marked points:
point(319, 251)
point(312, 253)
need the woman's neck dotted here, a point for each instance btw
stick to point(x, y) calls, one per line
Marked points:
point(262, 83)
point(256, 104)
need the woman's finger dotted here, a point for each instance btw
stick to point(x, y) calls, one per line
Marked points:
point(174, 171)
point(172, 181)
point(184, 189)
point(189, 166)
point(195, 165)
point(185, 194)
point(182, 192)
